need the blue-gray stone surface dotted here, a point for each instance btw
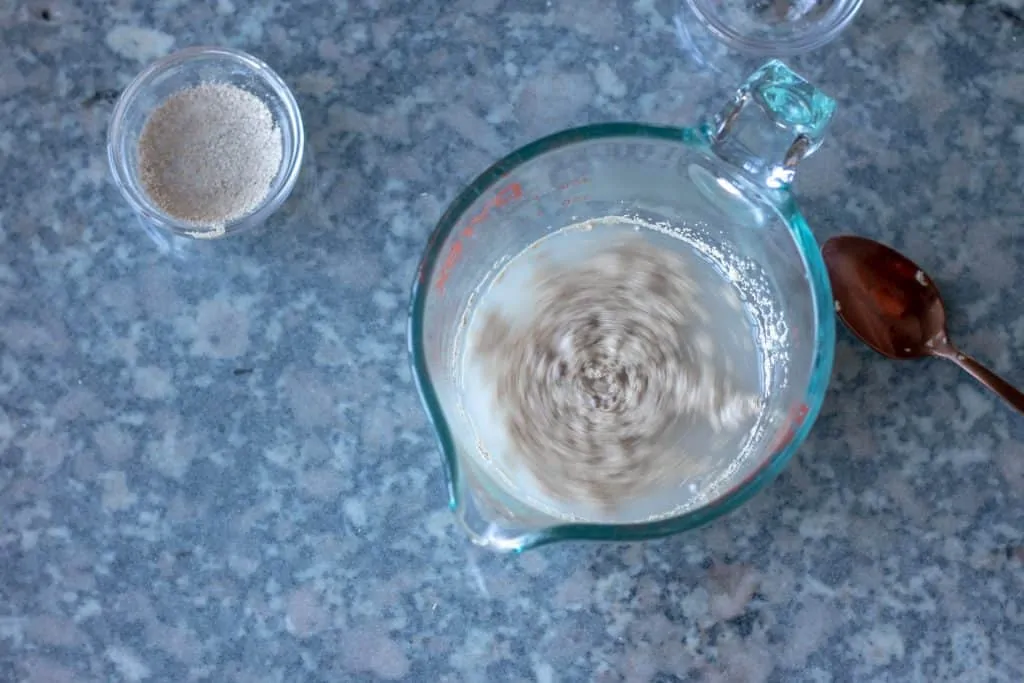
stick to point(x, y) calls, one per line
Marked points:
point(215, 468)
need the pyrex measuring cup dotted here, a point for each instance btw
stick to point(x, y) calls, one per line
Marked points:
point(723, 190)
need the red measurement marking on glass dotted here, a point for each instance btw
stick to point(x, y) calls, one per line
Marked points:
point(793, 421)
point(504, 196)
point(569, 201)
point(583, 180)
point(559, 188)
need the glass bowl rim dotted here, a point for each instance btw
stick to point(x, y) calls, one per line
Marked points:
point(809, 38)
point(727, 501)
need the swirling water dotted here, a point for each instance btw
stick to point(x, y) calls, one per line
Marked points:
point(608, 370)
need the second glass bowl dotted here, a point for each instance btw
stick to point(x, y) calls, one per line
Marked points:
point(179, 71)
point(775, 27)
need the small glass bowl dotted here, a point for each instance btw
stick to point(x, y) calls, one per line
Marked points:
point(775, 27)
point(179, 71)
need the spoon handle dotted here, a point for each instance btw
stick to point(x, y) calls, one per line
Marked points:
point(994, 382)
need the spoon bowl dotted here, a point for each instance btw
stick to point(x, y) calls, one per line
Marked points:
point(892, 306)
point(884, 298)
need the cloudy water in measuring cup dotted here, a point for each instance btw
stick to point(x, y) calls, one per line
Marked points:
point(609, 372)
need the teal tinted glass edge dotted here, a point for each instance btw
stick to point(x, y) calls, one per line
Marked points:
point(819, 377)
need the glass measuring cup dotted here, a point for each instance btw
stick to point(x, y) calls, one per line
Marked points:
point(722, 191)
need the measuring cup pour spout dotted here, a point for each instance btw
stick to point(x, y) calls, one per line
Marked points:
point(723, 186)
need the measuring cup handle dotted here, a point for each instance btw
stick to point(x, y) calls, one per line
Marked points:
point(774, 121)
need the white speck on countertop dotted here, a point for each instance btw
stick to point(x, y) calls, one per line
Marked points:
point(137, 43)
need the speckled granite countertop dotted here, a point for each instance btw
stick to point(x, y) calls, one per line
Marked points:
point(217, 469)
